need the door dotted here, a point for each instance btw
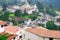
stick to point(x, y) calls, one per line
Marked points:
point(50, 38)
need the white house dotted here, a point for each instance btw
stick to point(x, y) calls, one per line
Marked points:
point(57, 22)
point(12, 8)
point(20, 33)
point(29, 9)
point(1, 27)
point(40, 33)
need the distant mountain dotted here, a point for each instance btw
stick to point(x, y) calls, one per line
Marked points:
point(54, 3)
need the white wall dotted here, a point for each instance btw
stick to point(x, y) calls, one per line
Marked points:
point(1, 29)
point(31, 36)
point(56, 39)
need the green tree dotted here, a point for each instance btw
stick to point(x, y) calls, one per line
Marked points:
point(4, 36)
point(40, 6)
point(18, 13)
point(14, 22)
point(33, 17)
point(58, 19)
point(51, 26)
point(51, 12)
point(11, 15)
point(25, 12)
point(4, 4)
point(5, 16)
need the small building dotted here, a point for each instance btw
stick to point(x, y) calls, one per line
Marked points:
point(43, 19)
point(39, 33)
point(29, 9)
point(1, 25)
point(56, 22)
point(12, 8)
point(26, 7)
point(18, 32)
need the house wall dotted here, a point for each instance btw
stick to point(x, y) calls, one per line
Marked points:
point(18, 37)
point(31, 36)
point(56, 39)
point(1, 29)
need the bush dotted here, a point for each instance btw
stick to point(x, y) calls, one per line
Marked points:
point(58, 19)
point(51, 26)
point(41, 25)
point(14, 22)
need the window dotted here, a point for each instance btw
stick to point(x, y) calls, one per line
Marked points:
point(50, 38)
point(14, 38)
point(1, 26)
point(5, 25)
point(20, 36)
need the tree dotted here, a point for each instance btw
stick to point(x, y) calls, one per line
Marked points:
point(51, 12)
point(51, 26)
point(25, 12)
point(40, 6)
point(4, 36)
point(14, 22)
point(58, 19)
point(11, 15)
point(5, 16)
point(4, 5)
point(18, 13)
point(33, 17)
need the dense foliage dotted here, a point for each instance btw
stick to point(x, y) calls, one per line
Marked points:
point(58, 19)
point(4, 36)
point(18, 13)
point(51, 26)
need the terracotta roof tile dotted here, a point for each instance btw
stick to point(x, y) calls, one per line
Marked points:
point(11, 37)
point(11, 29)
point(2, 22)
point(44, 32)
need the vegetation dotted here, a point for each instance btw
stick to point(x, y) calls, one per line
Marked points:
point(14, 22)
point(46, 9)
point(11, 15)
point(33, 17)
point(58, 19)
point(51, 26)
point(40, 6)
point(41, 25)
point(4, 36)
point(51, 12)
point(5, 16)
point(18, 13)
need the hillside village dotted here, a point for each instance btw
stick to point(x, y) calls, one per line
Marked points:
point(29, 22)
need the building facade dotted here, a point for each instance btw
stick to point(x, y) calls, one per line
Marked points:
point(41, 34)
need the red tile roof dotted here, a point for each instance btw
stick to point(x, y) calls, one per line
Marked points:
point(44, 32)
point(11, 29)
point(2, 22)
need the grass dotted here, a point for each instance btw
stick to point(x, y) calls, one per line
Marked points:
point(27, 16)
